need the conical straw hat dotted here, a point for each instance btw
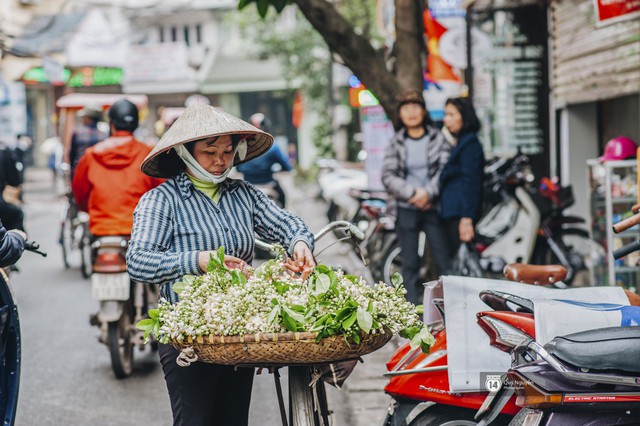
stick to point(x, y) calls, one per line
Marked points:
point(200, 121)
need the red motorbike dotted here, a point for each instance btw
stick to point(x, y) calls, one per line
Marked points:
point(419, 382)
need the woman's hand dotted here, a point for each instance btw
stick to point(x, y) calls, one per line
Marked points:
point(230, 262)
point(465, 229)
point(420, 199)
point(302, 256)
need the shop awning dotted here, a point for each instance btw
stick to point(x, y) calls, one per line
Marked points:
point(80, 100)
point(239, 75)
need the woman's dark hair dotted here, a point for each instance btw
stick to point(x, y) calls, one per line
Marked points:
point(470, 122)
point(412, 96)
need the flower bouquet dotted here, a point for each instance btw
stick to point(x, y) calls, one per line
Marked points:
point(271, 316)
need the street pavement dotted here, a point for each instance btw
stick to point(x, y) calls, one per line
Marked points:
point(66, 376)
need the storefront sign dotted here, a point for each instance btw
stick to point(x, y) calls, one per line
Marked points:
point(84, 77)
point(610, 11)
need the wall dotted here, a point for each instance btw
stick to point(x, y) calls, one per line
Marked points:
point(578, 142)
point(592, 62)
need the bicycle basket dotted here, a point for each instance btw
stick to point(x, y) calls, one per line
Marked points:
point(280, 348)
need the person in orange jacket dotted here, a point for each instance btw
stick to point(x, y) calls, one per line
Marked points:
point(108, 182)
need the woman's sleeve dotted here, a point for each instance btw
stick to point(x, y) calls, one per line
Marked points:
point(275, 224)
point(443, 153)
point(148, 257)
point(473, 177)
point(395, 185)
point(11, 247)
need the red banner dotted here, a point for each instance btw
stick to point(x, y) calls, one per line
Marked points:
point(615, 10)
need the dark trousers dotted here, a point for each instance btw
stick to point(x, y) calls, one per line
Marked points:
point(453, 228)
point(408, 226)
point(204, 394)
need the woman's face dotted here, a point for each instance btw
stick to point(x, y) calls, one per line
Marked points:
point(452, 119)
point(412, 115)
point(215, 155)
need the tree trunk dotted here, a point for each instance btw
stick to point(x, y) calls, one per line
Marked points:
point(409, 46)
point(357, 53)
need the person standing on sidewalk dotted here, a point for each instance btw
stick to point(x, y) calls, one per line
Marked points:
point(180, 224)
point(462, 177)
point(411, 170)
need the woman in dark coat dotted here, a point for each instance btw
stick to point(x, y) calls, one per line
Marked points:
point(461, 179)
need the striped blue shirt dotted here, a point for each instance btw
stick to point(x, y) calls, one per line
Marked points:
point(175, 221)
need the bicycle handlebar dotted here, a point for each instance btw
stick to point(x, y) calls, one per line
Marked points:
point(626, 249)
point(352, 231)
point(34, 247)
point(626, 223)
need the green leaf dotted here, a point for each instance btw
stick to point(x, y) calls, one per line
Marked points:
point(263, 7)
point(295, 315)
point(347, 323)
point(344, 313)
point(365, 320)
point(220, 252)
point(273, 314)
point(145, 324)
point(397, 279)
point(289, 322)
point(154, 313)
point(420, 309)
point(356, 338)
point(238, 278)
point(422, 338)
point(280, 4)
point(408, 333)
point(323, 282)
point(244, 3)
point(178, 287)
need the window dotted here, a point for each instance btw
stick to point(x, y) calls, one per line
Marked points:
point(198, 33)
point(161, 32)
point(186, 34)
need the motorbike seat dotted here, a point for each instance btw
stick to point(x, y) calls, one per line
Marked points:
point(534, 274)
point(611, 348)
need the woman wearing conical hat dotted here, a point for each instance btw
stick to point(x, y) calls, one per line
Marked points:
point(181, 222)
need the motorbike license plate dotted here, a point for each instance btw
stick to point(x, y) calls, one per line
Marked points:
point(110, 286)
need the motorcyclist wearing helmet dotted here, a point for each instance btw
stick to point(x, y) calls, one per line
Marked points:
point(259, 171)
point(86, 135)
point(108, 182)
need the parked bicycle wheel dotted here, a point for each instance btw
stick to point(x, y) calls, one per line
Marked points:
point(66, 237)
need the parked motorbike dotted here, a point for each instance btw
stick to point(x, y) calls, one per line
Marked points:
point(419, 382)
point(123, 302)
point(590, 377)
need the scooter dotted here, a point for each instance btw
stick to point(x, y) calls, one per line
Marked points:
point(590, 377)
point(123, 303)
point(419, 382)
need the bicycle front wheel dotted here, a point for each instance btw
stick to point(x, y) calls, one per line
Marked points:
point(301, 400)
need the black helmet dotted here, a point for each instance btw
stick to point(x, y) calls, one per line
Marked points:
point(123, 114)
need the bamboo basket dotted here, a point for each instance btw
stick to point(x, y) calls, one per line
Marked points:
point(280, 348)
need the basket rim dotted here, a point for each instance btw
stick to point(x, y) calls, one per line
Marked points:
point(290, 336)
